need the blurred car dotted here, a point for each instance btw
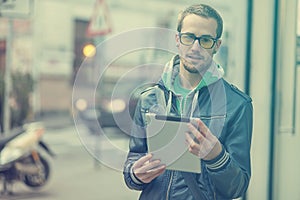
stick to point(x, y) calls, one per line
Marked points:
point(118, 96)
point(83, 110)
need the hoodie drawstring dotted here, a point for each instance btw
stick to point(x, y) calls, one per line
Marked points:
point(169, 104)
point(194, 103)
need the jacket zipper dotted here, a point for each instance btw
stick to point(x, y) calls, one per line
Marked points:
point(169, 186)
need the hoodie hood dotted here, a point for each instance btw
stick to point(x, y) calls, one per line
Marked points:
point(171, 70)
point(188, 104)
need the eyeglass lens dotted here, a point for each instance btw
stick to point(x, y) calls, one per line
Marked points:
point(189, 39)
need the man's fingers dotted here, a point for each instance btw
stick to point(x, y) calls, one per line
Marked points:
point(148, 166)
point(143, 160)
point(155, 170)
point(194, 147)
point(197, 134)
point(188, 138)
point(150, 171)
point(153, 173)
point(202, 127)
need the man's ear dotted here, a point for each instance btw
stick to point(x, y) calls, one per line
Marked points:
point(177, 40)
point(217, 46)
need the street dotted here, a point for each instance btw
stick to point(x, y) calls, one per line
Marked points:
point(76, 174)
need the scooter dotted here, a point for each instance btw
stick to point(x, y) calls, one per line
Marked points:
point(21, 158)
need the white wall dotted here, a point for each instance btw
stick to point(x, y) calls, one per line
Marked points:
point(54, 38)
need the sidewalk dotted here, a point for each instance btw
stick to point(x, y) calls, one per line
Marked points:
point(56, 120)
point(75, 173)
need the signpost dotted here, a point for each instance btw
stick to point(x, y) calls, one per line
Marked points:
point(11, 9)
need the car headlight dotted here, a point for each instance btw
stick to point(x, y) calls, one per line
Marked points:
point(81, 104)
point(115, 106)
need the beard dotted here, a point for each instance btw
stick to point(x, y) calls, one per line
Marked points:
point(195, 68)
point(190, 68)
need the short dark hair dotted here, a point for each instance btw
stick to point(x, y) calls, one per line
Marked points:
point(203, 11)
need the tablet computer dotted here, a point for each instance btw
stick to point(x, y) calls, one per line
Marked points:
point(166, 141)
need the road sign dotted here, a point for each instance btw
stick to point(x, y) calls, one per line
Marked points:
point(16, 8)
point(100, 23)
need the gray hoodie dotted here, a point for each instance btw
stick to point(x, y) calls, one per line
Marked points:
point(187, 104)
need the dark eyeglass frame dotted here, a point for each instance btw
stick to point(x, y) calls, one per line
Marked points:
point(198, 38)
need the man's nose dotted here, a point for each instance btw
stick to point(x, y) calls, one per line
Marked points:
point(196, 45)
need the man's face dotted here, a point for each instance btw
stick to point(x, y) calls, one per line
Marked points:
point(194, 58)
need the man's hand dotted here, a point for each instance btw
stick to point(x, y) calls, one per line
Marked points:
point(146, 169)
point(204, 145)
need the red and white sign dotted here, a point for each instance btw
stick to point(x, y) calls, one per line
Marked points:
point(100, 23)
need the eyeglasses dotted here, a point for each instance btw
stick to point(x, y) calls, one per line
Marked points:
point(207, 42)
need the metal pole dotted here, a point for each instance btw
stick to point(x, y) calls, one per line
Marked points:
point(7, 78)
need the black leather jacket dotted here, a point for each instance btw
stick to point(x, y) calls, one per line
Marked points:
point(228, 113)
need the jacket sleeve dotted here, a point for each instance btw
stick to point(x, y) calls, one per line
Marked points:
point(137, 149)
point(230, 172)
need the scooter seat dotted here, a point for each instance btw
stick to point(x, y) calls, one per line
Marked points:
point(6, 139)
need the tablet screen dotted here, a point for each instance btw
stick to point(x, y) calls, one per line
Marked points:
point(166, 141)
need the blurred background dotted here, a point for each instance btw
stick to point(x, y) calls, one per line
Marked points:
point(57, 65)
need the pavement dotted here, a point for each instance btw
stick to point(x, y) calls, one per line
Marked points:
point(86, 167)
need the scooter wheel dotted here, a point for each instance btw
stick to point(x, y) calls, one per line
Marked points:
point(39, 179)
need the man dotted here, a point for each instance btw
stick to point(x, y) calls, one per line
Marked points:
point(192, 86)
